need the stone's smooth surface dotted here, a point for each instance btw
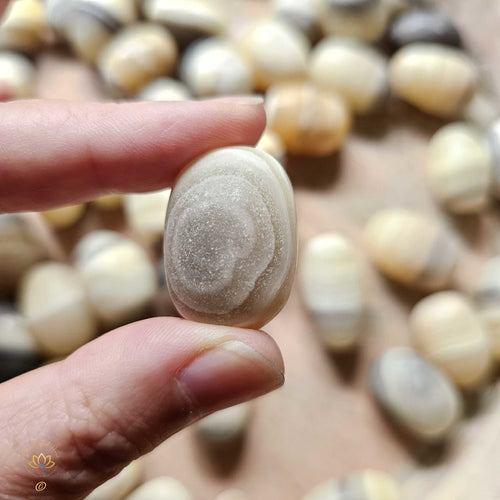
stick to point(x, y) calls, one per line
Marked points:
point(448, 331)
point(415, 394)
point(366, 485)
point(231, 238)
point(164, 89)
point(232, 495)
point(120, 485)
point(459, 168)
point(145, 214)
point(108, 202)
point(423, 25)
point(494, 144)
point(214, 67)
point(276, 52)
point(224, 426)
point(136, 56)
point(309, 121)
point(54, 301)
point(187, 19)
point(90, 24)
point(23, 26)
point(332, 288)
point(356, 71)
point(161, 488)
point(119, 277)
point(271, 144)
point(17, 76)
point(487, 297)
point(63, 217)
point(410, 248)
point(434, 78)
point(18, 350)
point(21, 246)
point(302, 14)
point(364, 20)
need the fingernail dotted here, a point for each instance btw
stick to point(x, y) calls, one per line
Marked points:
point(228, 374)
point(252, 100)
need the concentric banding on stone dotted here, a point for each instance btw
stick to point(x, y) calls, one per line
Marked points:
point(230, 238)
point(415, 394)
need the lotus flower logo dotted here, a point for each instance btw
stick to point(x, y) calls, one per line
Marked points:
point(42, 462)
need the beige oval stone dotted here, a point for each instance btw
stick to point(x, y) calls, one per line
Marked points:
point(120, 278)
point(54, 301)
point(231, 239)
point(164, 89)
point(302, 14)
point(276, 52)
point(415, 394)
point(447, 331)
point(436, 79)
point(136, 56)
point(108, 202)
point(332, 288)
point(487, 297)
point(271, 144)
point(23, 26)
point(308, 120)
point(161, 488)
point(354, 70)
point(214, 67)
point(120, 485)
point(365, 485)
point(410, 248)
point(64, 217)
point(17, 76)
point(459, 168)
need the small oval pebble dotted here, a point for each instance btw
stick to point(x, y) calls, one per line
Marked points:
point(365, 20)
point(90, 24)
point(230, 238)
point(120, 485)
point(410, 248)
point(108, 202)
point(357, 72)
point(213, 67)
point(459, 168)
point(415, 394)
point(224, 426)
point(119, 277)
point(136, 56)
point(276, 52)
point(24, 241)
point(23, 26)
point(161, 488)
point(187, 19)
point(17, 77)
point(332, 288)
point(18, 350)
point(308, 120)
point(145, 214)
point(494, 144)
point(63, 217)
point(365, 485)
point(164, 89)
point(54, 301)
point(487, 297)
point(302, 14)
point(436, 79)
point(448, 331)
point(422, 25)
point(271, 144)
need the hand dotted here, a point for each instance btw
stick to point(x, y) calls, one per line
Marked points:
point(118, 397)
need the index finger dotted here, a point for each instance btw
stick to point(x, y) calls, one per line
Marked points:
point(54, 153)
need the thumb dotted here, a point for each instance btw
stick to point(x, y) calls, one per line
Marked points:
point(120, 396)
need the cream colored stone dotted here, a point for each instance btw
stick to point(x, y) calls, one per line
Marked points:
point(17, 76)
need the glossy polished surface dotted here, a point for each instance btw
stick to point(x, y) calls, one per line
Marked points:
point(230, 238)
